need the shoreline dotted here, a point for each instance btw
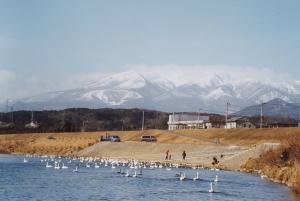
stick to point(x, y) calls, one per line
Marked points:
point(237, 146)
point(184, 165)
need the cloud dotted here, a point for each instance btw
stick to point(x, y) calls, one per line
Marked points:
point(7, 78)
point(14, 85)
point(189, 74)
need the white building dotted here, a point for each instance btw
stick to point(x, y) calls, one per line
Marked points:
point(188, 121)
point(239, 122)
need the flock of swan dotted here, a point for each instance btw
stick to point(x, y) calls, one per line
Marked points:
point(123, 166)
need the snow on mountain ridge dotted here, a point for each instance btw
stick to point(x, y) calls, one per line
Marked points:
point(211, 90)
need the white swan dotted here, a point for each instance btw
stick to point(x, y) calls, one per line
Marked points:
point(25, 160)
point(197, 177)
point(96, 165)
point(182, 177)
point(48, 165)
point(56, 165)
point(76, 169)
point(216, 178)
point(263, 176)
point(135, 175)
point(127, 174)
point(211, 190)
point(64, 166)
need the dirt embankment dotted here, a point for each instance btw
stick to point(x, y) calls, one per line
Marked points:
point(281, 165)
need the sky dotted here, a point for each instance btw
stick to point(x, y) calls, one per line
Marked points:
point(58, 44)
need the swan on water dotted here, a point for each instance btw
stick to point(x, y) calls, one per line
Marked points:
point(197, 177)
point(216, 178)
point(263, 176)
point(48, 165)
point(25, 160)
point(127, 174)
point(211, 190)
point(64, 166)
point(76, 169)
point(56, 165)
point(182, 177)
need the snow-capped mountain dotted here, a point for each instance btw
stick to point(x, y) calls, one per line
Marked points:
point(207, 92)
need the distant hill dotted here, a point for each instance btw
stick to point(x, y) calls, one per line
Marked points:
point(274, 108)
point(81, 119)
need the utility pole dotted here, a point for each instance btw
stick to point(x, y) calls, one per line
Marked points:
point(12, 114)
point(198, 118)
point(32, 116)
point(143, 120)
point(226, 114)
point(7, 107)
point(63, 121)
point(261, 114)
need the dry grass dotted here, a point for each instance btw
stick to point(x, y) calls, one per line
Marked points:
point(244, 136)
point(70, 143)
point(283, 169)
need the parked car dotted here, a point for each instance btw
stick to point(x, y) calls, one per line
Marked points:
point(110, 138)
point(115, 138)
point(148, 138)
point(104, 138)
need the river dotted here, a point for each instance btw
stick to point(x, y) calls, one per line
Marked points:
point(32, 181)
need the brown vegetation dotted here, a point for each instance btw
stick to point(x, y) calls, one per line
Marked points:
point(282, 164)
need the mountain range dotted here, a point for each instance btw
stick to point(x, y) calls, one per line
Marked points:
point(135, 90)
point(274, 108)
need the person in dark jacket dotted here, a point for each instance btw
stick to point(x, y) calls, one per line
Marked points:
point(183, 155)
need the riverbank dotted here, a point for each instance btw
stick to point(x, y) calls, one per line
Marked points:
point(231, 148)
point(281, 165)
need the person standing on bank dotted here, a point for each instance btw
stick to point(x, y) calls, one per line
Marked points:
point(183, 155)
point(167, 154)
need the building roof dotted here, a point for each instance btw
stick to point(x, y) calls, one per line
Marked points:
point(235, 119)
point(188, 117)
